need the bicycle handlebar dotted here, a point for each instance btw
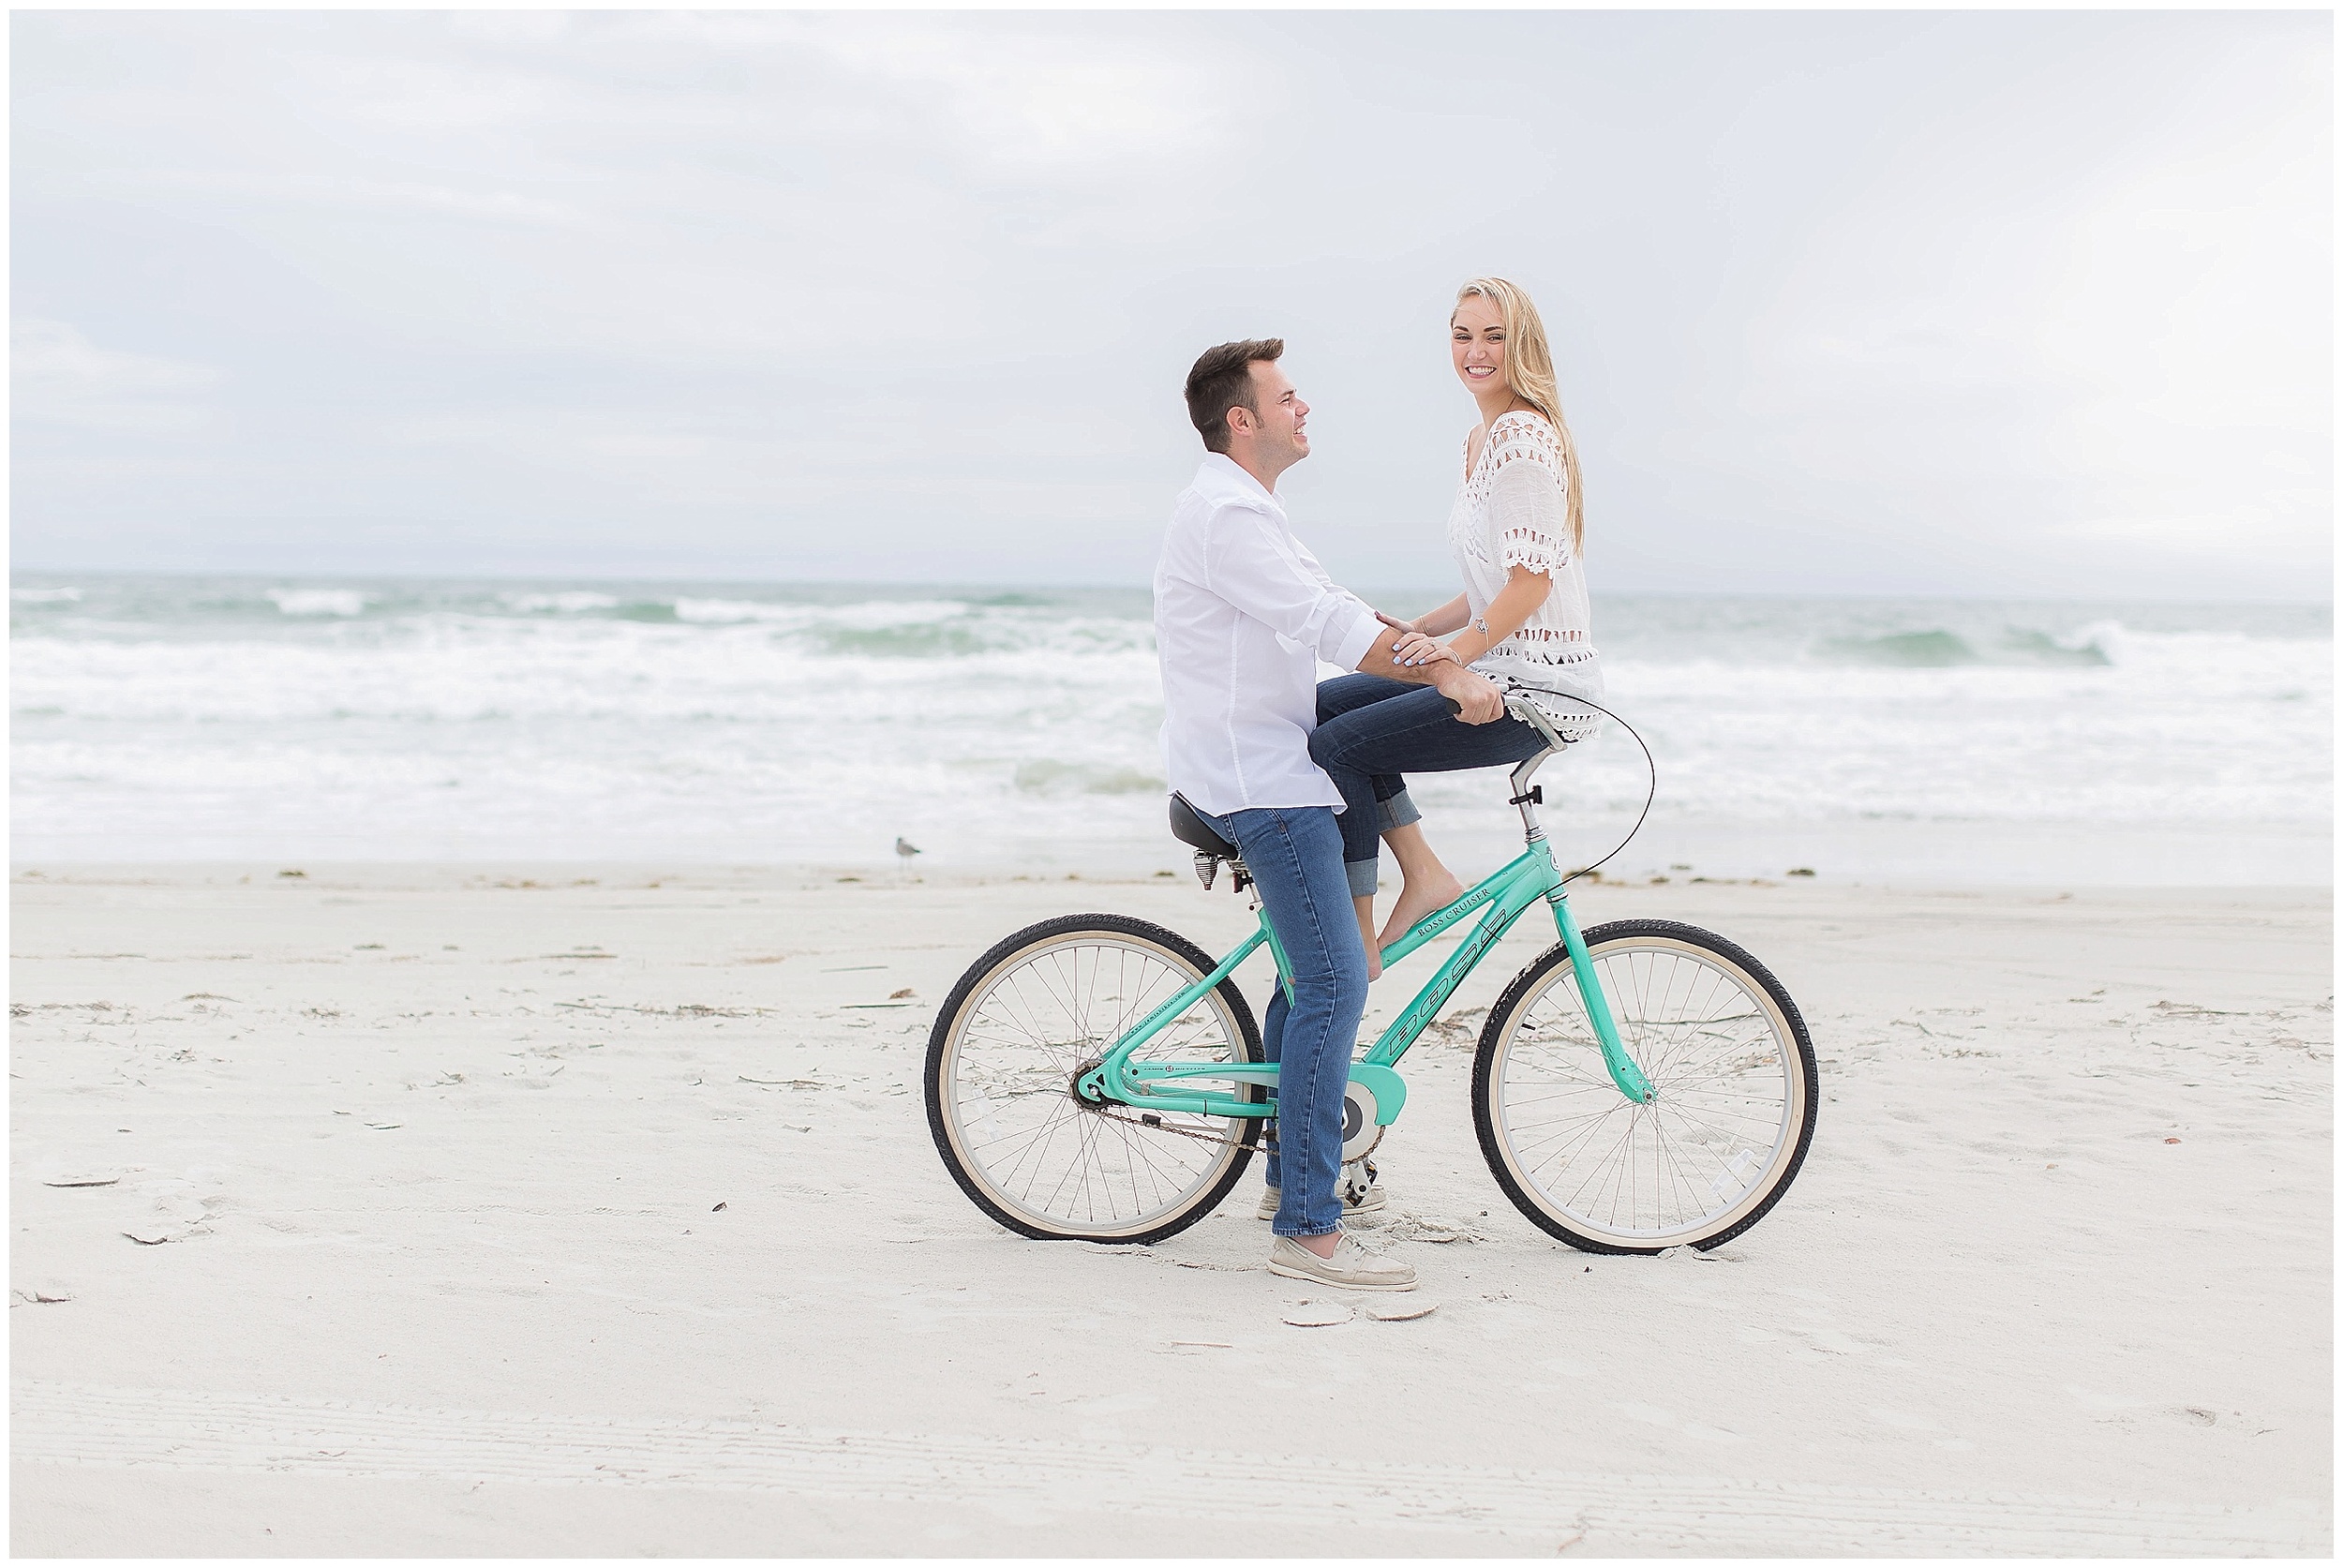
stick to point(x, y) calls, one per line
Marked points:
point(1527, 712)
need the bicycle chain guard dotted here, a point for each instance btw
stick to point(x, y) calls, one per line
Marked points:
point(1361, 1132)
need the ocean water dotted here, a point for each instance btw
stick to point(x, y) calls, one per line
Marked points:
point(252, 719)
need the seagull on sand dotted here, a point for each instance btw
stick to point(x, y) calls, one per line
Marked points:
point(904, 850)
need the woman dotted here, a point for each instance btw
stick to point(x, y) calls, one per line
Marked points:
point(1515, 531)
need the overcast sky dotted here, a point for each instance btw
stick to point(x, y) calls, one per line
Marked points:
point(1976, 304)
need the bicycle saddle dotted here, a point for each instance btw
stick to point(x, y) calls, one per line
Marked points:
point(1195, 832)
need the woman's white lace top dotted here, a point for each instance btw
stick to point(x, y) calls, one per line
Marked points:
point(1513, 511)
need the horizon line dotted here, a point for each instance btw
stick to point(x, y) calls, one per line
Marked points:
point(902, 586)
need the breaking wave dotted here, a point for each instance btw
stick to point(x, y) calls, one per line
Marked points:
point(172, 718)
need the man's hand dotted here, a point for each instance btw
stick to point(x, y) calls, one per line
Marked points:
point(1479, 697)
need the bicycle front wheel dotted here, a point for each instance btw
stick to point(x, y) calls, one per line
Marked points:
point(1024, 1024)
point(1734, 1090)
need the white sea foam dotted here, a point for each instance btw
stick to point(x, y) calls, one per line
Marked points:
point(46, 596)
point(575, 602)
point(158, 720)
point(721, 612)
point(319, 600)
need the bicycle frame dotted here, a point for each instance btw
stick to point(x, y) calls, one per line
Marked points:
point(1504, 897)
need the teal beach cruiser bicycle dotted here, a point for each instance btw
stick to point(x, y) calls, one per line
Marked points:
point(1642, 1084)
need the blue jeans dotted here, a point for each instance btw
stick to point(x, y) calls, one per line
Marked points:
point(1295, 856)
point(1372, 730)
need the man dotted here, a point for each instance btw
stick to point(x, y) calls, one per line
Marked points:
point(1243, 615)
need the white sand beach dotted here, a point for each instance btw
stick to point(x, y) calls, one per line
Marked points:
point(592, 1210)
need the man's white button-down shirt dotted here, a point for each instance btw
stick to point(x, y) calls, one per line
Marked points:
point(1244, 613)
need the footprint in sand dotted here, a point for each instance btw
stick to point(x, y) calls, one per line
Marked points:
point(1655, 1415)
point(1902, 1420)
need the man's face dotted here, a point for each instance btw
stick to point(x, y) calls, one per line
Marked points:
point(1279, 441)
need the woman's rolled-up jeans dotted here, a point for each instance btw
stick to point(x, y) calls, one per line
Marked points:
point(1372, 731)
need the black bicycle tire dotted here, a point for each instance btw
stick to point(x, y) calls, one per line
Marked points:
point(1484, 1060)
point(946, 1016)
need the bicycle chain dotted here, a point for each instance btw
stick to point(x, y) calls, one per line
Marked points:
point(1267, 1144)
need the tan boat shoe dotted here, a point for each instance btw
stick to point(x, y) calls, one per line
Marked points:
point(1352, 1268)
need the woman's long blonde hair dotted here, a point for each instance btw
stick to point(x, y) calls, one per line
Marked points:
point(1529, 369)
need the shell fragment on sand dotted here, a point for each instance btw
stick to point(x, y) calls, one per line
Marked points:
point(1318, 1314)
point(1402, 1313)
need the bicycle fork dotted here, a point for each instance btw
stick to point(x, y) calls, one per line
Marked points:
point(1526, 798)
point(1625, 1072)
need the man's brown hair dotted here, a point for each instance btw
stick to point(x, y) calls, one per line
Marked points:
point(1221, 380)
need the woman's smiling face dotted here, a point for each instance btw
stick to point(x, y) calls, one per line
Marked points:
point(1477, 343)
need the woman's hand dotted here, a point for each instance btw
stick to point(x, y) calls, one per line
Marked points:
point(1414, 647)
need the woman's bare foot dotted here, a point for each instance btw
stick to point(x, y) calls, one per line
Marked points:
point(1365, 907)
point(1419, 896)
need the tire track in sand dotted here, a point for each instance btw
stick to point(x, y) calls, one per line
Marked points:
point(64, 1424)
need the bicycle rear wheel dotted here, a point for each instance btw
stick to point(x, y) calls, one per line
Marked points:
point(1024, 1023)
point(1734, 1082)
